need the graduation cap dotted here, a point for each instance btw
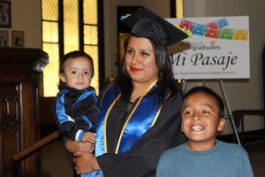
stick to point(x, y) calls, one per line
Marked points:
point(145, 23)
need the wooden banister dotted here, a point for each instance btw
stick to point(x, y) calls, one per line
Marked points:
point(36, 146)
point(29, 150)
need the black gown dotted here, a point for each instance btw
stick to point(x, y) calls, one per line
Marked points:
point(141, 160)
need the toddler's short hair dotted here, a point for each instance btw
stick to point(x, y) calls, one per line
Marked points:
point(76, 54)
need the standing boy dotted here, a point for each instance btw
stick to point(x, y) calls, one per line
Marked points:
point(202, 155)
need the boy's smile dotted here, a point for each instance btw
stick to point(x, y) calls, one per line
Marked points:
point(197, 128)
point(200, 121)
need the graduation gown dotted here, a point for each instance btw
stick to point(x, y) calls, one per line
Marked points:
point(141, 159)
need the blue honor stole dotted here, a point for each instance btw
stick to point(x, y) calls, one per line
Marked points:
point(140, 120)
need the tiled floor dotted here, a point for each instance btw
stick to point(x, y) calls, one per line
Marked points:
point(57, 163)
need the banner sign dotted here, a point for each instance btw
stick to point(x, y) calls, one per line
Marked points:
point(219, 48)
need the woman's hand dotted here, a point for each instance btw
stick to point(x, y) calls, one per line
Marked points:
point(89, 137)
point(86, 163)
point(78, 148)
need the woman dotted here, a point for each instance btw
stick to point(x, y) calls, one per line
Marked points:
point(140, 111)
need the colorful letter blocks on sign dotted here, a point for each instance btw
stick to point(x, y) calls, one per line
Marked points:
point(222, 23)
point(186, 24)
point(214, 30)
point(212, 33)
point(240, 35)
point(198, 29)
point(212, 25)
point(226, 34)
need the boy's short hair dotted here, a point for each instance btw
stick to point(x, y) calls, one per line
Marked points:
point(76, 54)
point(208, 91)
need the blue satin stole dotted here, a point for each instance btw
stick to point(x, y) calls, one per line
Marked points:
point(147, 107)
point(141, 119)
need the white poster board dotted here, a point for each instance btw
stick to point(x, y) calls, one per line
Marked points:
point(219, 48)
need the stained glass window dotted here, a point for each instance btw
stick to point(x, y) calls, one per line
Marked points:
point(51, 42)
point(179, 8)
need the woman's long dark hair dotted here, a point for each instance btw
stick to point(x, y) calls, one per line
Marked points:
point(165, 74)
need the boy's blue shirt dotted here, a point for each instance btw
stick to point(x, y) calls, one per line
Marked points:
point(223, 160)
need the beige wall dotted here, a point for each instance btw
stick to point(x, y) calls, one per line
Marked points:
point(25, 16)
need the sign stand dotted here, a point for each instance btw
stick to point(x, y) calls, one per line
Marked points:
point(227, 106)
